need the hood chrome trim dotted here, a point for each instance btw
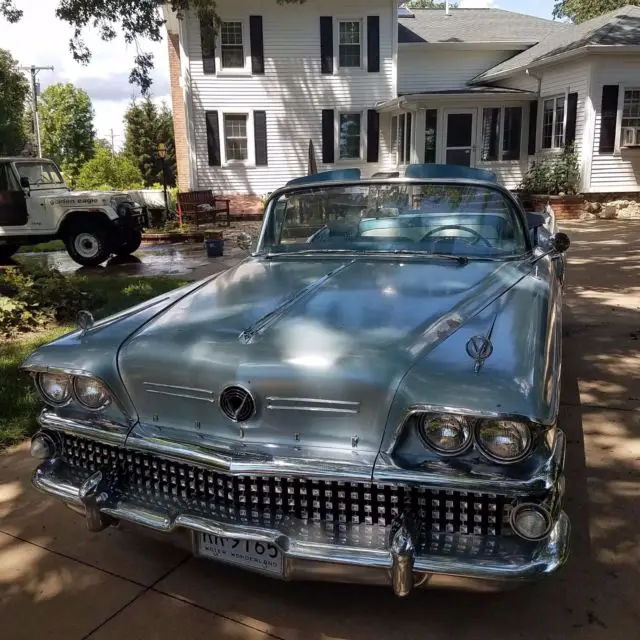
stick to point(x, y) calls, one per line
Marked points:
point(312, 404)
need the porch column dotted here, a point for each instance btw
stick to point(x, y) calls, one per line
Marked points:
point(417, 144)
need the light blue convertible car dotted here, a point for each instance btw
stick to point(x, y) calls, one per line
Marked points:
point(370, 397)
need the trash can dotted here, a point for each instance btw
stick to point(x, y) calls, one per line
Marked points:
point(214, 247)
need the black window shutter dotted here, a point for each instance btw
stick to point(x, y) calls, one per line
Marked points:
point(533, 127)
point(373, 43)
point(609, 118)
point(260, 128)
point(373, 136)
point(328, 136)
point(213, 139)
point(257, 44)
point(208, 44)
point(326, 44)
point(572, 116)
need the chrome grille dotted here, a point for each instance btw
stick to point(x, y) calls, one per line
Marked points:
point(266, 500)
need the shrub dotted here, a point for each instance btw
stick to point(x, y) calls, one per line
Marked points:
point(31, 298)
point(106, 171)
point(554, 174)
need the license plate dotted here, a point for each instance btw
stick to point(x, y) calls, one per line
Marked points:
point(252, 554)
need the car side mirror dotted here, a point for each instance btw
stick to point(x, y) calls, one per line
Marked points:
point(560, 242)
point(24, 183)
point(244, 241)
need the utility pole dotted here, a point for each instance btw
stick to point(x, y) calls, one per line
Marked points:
point(33, 69)
point(113, 136)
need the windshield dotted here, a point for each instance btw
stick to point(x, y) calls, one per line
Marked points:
point(40, 173)
point(451, 219)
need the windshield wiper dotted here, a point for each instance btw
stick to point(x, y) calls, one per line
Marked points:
point(461, 260)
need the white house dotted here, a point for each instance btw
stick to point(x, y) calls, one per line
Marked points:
point(377, 87)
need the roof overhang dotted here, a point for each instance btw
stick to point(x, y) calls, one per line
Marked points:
point(421, 100)
point(505, 45)
point(608, 49)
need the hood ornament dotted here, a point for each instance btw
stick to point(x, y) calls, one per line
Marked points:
point(479, 348)
point(85, 321)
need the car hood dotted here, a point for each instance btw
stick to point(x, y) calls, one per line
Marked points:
point(321, 345)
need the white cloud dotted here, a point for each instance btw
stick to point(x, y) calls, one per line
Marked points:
point(41, 39)
point(477, 4)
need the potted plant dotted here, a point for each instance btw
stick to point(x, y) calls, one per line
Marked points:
point(554, 180)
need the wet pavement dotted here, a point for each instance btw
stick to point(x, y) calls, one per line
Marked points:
point(189, 261)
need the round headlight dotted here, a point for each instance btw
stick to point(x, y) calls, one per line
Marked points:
point(531, 521)
point(503, 440)
point(55, 387)
point(91, 393)
point(445, 434)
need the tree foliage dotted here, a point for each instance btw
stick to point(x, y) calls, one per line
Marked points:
point(146, 127)
point(108, 171)
point(583, 10)
point(14, 90)
point(135, 20)
point(66, 127)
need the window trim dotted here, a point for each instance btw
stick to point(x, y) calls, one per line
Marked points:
point(363, 138)
point(619, 127)
point(246, 48)
point(251, 144)
point(501, 150)
point(337, 69)
point(555, 97)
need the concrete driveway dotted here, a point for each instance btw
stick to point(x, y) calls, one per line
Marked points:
point(58, 581)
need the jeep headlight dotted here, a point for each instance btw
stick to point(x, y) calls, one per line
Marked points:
point(446, 434)
point(91, 393)
point(503, 440)
point(55, 387)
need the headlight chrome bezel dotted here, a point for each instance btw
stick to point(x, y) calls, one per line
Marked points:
point(73, 397)
point(487, 453)
point(76, 394)
point(466, 424)
point(46, 397)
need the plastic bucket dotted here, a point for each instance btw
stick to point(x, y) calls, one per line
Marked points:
point(214, 248)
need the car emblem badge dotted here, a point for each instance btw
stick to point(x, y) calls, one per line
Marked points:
point(479, 349)
point(237, 403)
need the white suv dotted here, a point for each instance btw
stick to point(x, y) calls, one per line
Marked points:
point(36, 205)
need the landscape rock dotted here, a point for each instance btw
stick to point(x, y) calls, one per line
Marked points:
point(609, 212)
point(592, 207)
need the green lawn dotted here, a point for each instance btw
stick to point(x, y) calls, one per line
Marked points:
point(19, 404)
point(43, 247)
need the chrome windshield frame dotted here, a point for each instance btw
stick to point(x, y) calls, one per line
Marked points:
point(262, 250)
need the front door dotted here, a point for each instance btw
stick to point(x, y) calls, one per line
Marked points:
point(459, 137)
point(13, 204)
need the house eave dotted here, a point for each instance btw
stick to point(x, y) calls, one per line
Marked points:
point(421, 99)
point(470, 46)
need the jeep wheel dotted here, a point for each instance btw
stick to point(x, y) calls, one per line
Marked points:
point(6, 251)
point(88, 245)
point(131, 243)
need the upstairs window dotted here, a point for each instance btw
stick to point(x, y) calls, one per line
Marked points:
point(232, 45)
point(501, 134)
point(631, 118)
point(235, 137)
point(350, 136)
point(350, 43)
point(553, 123)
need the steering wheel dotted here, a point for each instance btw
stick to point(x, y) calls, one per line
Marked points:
point(478, 236)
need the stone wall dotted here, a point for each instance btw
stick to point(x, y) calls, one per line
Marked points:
point(244, 204)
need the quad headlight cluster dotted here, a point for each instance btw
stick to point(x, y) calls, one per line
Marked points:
point(59, 389)
point(502, 441)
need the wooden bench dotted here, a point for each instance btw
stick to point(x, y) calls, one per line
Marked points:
point(201, 207)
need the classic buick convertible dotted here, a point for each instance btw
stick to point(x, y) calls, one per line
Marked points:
point(370, 397)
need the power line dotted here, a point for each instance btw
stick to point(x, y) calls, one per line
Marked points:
point(33, 69)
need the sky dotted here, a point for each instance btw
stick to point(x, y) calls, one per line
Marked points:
point(40, 39)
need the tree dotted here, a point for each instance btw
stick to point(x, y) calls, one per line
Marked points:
point(108, 171)
point(583, 10)
point(146, 127)
point(430, 4)
point(14, 90)
point(66, 127)
point(134, 19)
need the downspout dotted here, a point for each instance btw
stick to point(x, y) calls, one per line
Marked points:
point(535, 77)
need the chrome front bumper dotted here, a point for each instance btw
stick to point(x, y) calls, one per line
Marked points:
point(363, 554)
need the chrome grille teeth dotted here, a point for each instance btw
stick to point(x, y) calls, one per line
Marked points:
point(267, 500)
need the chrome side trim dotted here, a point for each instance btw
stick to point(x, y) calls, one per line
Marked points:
point(312, 404)
point(96, 428)
point(518, 561)
point(176, 391)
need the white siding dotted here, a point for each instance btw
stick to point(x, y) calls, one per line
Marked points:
point(520, 81)
point(620, 171)
point(293, 91)
point(425, 69)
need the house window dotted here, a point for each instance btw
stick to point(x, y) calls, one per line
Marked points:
point(350, 43)
point(231, 45)
point(501, 133)
point(235, 137)
point(553, 123)
point(631, 118)
point(350, 130)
